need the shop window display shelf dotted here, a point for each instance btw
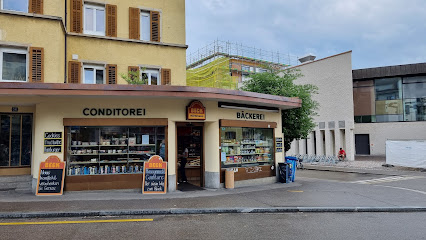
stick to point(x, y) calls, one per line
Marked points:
point(130, 150)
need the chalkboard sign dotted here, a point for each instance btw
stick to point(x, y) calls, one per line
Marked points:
point(51, 177)
point(52, 142)
point(154, 176)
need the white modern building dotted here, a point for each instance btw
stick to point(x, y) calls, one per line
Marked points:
point(361, 109)
point(335, 120)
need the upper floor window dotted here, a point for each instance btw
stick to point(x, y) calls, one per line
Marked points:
point(13, 65)
point(94, 19)
point(93, 74)
point(14, 5)
point(145, 26)
point(152, 76)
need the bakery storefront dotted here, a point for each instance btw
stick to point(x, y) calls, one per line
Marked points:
point(105, 134)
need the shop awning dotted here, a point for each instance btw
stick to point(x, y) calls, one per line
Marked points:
point(145, 91)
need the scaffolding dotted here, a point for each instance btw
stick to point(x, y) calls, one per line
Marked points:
point(220, 64)
point(220, 48)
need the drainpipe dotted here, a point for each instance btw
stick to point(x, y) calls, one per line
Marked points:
point(65, 60)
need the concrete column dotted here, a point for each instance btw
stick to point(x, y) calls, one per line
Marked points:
point(171, 154)
point(311, 144)
point(319, 143)
point(212, 157)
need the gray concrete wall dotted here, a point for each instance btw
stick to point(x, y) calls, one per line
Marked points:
point(380, 132)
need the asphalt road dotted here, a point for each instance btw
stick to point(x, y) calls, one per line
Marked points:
point(311, 189)
point(231, 226)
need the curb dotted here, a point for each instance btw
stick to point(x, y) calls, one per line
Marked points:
point(175, 211)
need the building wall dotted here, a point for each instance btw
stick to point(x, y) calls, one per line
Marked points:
point(125, 54)
point(172, 17)
point(333, 77)
point(107, 50)
point(24, 31)
point(380, 132)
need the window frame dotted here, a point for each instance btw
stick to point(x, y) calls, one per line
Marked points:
point(95, 7)
point(2, 8)
point(15, 51)
point(150, 70)
point(94, 67)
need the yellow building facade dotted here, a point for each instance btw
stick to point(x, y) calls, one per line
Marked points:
point(63, 71)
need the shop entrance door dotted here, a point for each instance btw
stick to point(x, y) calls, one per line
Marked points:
point(190, 172)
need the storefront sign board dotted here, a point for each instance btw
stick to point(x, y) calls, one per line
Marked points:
point(51, 177)
point(250, 116)
point(195, 111)
point(154, 176)
point(52, 142)
point(278, 144)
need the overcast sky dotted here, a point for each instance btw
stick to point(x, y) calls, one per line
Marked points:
point(379, 32)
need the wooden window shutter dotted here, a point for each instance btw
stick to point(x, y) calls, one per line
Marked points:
point(134, 23)
point(111, 74)
point(74, 72)
point(133, 69)
point(111, 23)
point(166, 75)
point(155, 26)
point(36, 74)
point(77, 16)
point(35, 6)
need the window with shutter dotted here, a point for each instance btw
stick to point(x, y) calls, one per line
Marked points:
point(134, 20)
point(111, 20)
point(155, 26)
point(111, 74)
point(77, 16)
point(36, 6)
point(36, 74)
point(166, 75)
point(74, 72)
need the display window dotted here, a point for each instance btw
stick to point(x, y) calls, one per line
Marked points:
point(15, 140)
point(246, 147)
point(112, 150)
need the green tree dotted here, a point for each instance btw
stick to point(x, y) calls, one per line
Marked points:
point(135, 77)
point(297, 123)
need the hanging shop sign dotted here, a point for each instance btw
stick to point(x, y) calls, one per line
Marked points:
point(51, 177)
point(52, 142)
point(250, 116)
point(278, 144)
point(114, 112)
point(154, 176)
point(195, 111)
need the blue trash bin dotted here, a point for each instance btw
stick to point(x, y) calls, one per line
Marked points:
point(292, 162)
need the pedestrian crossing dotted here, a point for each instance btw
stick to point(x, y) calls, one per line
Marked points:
point(387, 179)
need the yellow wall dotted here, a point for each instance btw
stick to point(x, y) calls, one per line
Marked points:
point(44, 33)
point(50, 113)
point(54, 8)
point(172, 17)
point(126, 54)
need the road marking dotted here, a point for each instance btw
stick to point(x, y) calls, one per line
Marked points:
point(387, 179)
point(294, 191)
point(73, 222)
point(407, 189)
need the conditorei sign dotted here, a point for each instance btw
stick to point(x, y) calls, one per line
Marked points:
point(114, 111)
point(195, 111)
point(51, 177)
point(250, 116)
point(154, 175)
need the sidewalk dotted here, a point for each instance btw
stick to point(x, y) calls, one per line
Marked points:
point(271, 198)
